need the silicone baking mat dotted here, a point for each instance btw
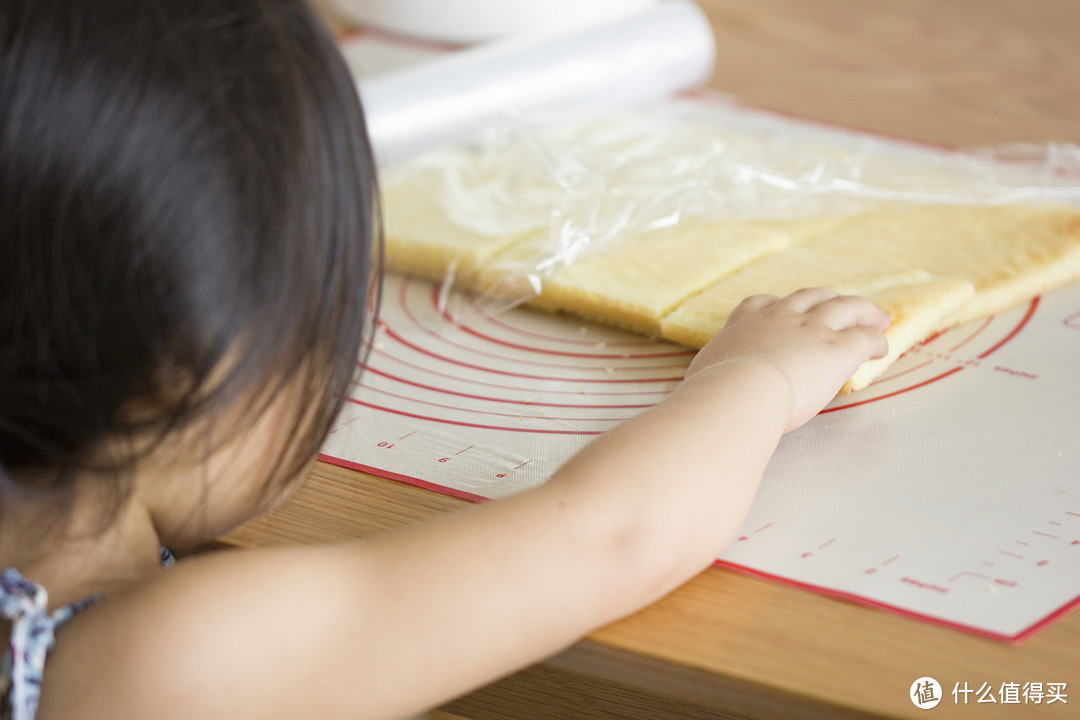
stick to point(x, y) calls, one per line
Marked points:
point(946, 490)
point(949, 490)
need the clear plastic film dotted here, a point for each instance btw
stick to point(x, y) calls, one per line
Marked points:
point(641, 57)
point(571, 186)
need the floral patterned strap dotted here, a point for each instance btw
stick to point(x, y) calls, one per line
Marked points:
point(33, 628)
point(25, 604)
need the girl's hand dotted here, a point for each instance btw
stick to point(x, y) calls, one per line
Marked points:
point(814, 338)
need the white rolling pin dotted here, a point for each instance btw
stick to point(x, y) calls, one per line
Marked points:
point(642, 57)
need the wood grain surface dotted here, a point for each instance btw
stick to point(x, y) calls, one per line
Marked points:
point(963, 72)
point(955, 72)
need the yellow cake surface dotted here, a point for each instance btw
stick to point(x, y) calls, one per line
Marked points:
point(930, 266)
point(1007, 254)
point(633, 282)
point(422, 236)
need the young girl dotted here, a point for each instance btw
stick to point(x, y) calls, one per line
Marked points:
point(188, 214)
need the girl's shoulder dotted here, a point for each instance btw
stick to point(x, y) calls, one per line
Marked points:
point(213, 637)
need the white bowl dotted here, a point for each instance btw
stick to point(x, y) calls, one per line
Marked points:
point(467, 21)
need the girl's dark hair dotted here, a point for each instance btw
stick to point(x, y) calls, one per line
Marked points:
point(188, 218)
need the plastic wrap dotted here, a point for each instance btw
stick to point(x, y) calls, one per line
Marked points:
point(643, 57)
point(467, 21)
point(579, 183)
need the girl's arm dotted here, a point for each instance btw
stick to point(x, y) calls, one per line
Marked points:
point(407, 620)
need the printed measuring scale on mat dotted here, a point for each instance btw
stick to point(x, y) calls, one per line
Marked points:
point(487, 405)
point(482, 406)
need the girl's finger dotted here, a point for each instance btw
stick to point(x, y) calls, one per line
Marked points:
point(803, 300)
point(845, 311)
point(751, 304)
point(869, 340)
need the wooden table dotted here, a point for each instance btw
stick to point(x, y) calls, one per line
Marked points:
point(963, 72)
